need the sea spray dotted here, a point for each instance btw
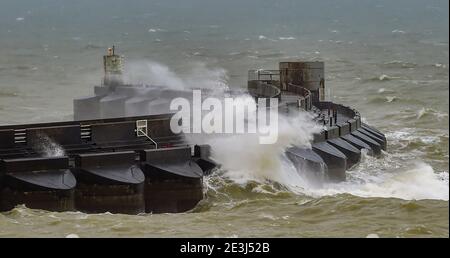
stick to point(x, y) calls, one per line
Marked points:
point(415, 182)
point(198, 76)
point(244, 160)
point(241, 156)
point(47, 147)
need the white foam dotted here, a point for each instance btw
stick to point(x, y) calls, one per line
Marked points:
point(383, 77)
point(415, 183)
point(155, 30)
point(390, 99)
point(440, 65)
point(429, 111)
point(286, 38)
point(398, 32)
point(244, 160)
point(429, 139)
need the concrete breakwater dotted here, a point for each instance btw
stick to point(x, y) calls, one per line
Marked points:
point(116, 157)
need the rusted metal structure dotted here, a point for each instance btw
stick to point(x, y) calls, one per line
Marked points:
point(310, 75)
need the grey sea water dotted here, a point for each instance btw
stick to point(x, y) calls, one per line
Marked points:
point(388, 59)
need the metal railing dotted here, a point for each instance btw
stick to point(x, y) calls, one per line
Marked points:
point(141, 130)
point(305, 101)
point(263, 75)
